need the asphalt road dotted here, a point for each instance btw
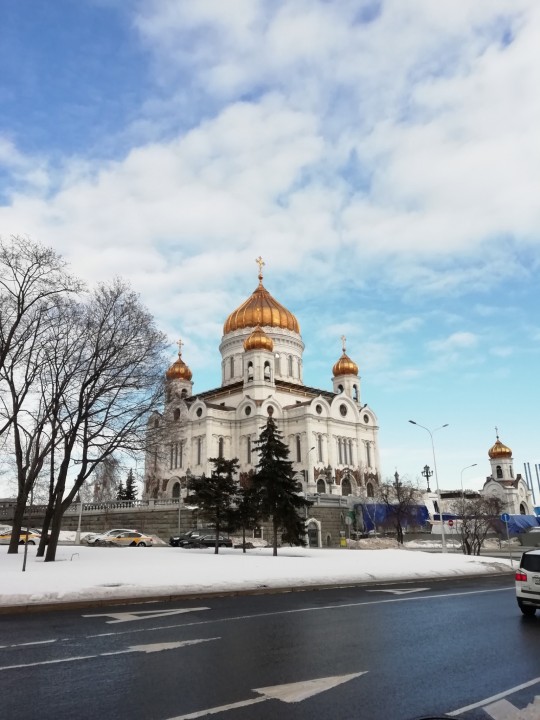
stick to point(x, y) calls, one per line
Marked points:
point(395, 651)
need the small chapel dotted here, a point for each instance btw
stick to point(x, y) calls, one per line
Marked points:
point(332, 435)
point(511, 489)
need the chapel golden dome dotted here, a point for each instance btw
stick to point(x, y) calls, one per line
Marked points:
point(258, 340)
point(499, 450)
point(261, 309)
point(179, 370)
point(345, 366)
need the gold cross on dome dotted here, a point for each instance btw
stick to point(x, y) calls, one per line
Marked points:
point(343, 339)
point(180, 346)
point(496, 431)
point(260, 262)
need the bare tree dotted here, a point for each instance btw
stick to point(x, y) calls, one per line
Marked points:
point(105, 480)
point(400, 497)
point(115, 382)
point(478, 516)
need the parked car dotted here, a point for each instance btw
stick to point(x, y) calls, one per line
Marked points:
point(129, 538)
point(208, 541)
point(32, 537)
point(96, 538)
point(528, 582)
point(183, 538)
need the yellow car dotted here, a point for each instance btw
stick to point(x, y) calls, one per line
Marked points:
point(29, 536)
point(129, 539)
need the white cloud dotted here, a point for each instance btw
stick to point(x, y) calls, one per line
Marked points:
point(457, 341)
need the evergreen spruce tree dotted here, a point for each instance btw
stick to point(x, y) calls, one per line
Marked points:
point(130, 493)
point(121, 493)
point(247, 513)
point(277, 489)
point(215, 495)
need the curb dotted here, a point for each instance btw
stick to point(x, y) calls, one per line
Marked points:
point(263, 590)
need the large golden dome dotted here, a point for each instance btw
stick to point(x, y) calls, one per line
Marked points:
point(179, 370)
point(261, 309)
point(499, 450)
point(258, 340)
point(345, 366)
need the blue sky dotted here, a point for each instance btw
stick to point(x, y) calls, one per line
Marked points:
point(382, 157)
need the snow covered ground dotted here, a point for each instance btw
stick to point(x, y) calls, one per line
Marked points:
point(84, 573)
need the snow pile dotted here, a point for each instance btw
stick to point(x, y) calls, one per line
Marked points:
point(83, 573)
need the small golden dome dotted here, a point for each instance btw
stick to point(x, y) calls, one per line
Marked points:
point(261, 309)
point(259, 340)
point(499, 450)
point(179, 370)
point(345, 366)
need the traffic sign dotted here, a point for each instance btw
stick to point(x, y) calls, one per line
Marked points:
point(505, 517)
point(450, 523)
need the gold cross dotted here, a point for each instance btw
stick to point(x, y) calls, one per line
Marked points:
point(260, 262)
point(343, 338)
point(497, 432)
point(180, 345)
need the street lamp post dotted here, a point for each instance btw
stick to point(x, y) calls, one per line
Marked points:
point(443, 538)
point(78, 533)
point(465, 468)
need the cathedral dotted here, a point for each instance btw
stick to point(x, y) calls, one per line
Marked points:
point(331, 434)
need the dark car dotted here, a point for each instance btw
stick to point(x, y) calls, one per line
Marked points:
point(182, 539)
point(208, 541)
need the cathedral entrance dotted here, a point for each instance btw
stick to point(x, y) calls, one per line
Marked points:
point(313, 534)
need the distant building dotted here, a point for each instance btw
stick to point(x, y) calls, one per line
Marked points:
point(502, 483)
point(332, 435)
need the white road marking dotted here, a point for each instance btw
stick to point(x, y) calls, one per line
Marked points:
point(143, 614)
point(299, 610)
point(289, 693)
point(498, 696)
point(504, 710)
point(400, 592)
point(156, 647)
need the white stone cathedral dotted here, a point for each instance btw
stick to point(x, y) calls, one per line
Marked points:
point(332, 435)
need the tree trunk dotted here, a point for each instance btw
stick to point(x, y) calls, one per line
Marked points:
point(17, 525)
point(243, 539)
point(56, 524)
point(216, 547)
point(275, 536)
point(45, 530)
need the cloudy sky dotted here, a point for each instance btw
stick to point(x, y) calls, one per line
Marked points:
point(382, 156)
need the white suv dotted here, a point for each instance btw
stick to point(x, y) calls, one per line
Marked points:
point(528, 582)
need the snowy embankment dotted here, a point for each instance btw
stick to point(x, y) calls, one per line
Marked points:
point(83, 573)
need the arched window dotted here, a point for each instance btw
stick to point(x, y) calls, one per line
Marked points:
point(298, 449)
point(511, 472)
point(522, 509)
point(355, 393)
point(231, 367)
point(340, 388)
point(321, 486)
point(220, 447)
point(267, 370)
point(346, 487)
point(176, 491)
point(250, 370)
point(369, 490)
point(183, 394)
point(499, 471)
point(177, 414)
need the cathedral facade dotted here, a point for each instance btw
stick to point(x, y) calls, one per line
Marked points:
point(331, 434)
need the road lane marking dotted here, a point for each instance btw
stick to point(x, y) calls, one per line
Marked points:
point(289, 693)
point(142, 614)
point(498, 696)
point(504, 710)
point(155, 647)
point(236, 618)
point(400, 592)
